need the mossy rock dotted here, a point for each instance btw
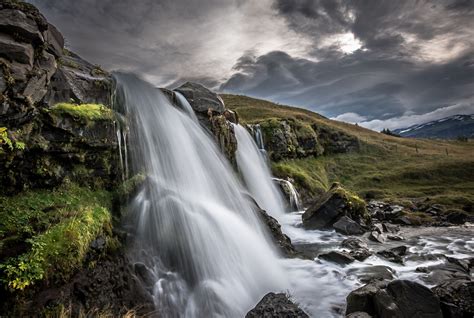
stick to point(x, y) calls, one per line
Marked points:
point(334, 204)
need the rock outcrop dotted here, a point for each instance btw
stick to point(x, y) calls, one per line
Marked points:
point(44, 144)
point(332, 206)
point(276, 305)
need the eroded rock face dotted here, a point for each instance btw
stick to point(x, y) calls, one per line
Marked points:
point(36, 75)
point(276, 305)
point(332, 206)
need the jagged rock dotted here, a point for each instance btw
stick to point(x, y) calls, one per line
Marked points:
point(224, 133)
point(79, 81)
point(347, 226)
point(390, 228)
point(145, 275)
point(276, 305)
point(337, 257)
point(457, 297)
point(16, 51)
point(55, 40)
point(36, 87)
point(399, 298)
point(357, 248)
point(17, 22)
point(378, 228)
point(395, 237)
point(452, 269)
point(333, 205)
point(394, 254)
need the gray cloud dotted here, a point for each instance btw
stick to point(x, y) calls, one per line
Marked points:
point(369, 60)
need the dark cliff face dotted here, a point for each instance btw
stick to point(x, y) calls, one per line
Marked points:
point(48, 134)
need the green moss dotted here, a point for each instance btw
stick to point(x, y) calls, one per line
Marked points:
point(356, 205)
point(7, 144)
point(56, 228)
point(83, 111)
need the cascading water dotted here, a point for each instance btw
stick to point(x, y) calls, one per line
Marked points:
point(195, 229)
point(256, 173)
point(291, 193)
point(184, 104)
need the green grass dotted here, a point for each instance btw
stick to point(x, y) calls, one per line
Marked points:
point(45, 234)
point(386, 167)
point(91, 112)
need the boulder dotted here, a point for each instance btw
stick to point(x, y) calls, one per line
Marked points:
point(395, 254)
point(457, 297)
point(332, 206)
point(341, 258)
point(276, 305)
point(373, 273)
point(357, 248)
point(201, 99)
point(399, 298)
point(55, 40)
point(359, 314)
point(376, 236)
point(452, 269)
point(347, 226)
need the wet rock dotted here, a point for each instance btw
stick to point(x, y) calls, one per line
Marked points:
point(359, 314)
point(395, 237)
point(457, 297)
point(276, 305)
point(341, 258)
point(347, 226)
point(390, 228)
point(145, 275)
point(357, 248)
point(280, 239)
point(224, 134)
point(452, 269)
point(377, 227)
point(377, 237)
point(394, 254)
point(373, 273)
point(332, 206)
point(399, 298)
point(383, 211)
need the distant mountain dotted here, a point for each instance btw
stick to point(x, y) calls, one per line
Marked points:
point(446, 128)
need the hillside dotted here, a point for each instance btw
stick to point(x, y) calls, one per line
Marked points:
point(446, 128)
point(403, 170)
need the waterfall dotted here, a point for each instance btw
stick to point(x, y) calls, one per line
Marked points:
point(185, 106)
point(256, 174)
point(196, 231)
point(290, 191)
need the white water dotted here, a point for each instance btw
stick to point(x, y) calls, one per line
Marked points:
point(184, 104)
point(256, 174)
point(294, 197)
point(194, 228)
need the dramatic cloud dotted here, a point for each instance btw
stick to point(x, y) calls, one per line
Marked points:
point(377, 62)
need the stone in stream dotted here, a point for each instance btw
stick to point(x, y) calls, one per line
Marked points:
point(452, 269)
point(394, 254)
point(341, 258)
point(332, 206)
point(276, 305)
point(395, 237)
point(390, 228)
point(377, 237)
point(373, 273)
point(347, 226)
point(457, 297)
point(399, 298)
point(357, 248)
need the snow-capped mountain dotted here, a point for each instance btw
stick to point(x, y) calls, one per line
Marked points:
point(447, 128)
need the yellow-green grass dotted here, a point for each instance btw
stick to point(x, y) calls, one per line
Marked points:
point(45, 234)
point(83, 111)
point(385, 167)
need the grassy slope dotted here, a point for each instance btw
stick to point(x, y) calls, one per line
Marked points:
point(388, 168)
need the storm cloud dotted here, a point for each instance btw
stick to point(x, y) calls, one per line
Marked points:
point(380, 63)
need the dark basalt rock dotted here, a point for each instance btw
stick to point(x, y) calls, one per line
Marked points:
point(276, 305)
point(347, 226)
point(359, 314)
point(376, 236)
point(452, 269)
point(394, 254)
point(373, 273)
point(457, 297)
point(201, 99)
point(341, 258)
point(399, 298)
point(332, 206)
point(357, 248)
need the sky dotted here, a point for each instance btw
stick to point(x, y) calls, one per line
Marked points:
point(379, 63)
